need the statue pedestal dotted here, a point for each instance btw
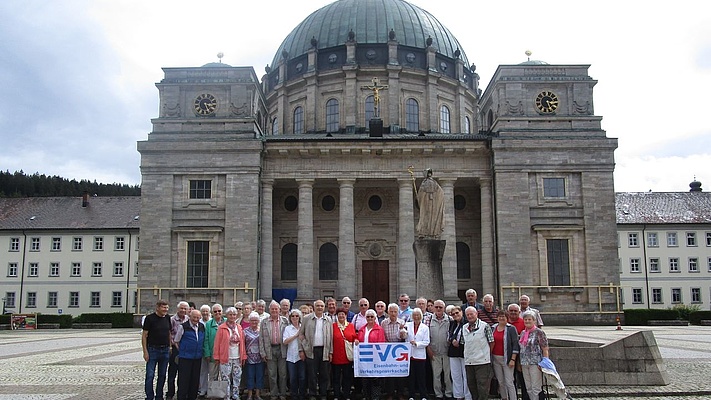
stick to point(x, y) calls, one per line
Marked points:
point(376, 127)
point(428, 255)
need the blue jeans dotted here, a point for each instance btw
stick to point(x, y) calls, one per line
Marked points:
point(254, 376)
point(297, 378)
point(160, 357)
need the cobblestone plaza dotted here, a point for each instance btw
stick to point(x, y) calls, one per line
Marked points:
point(107, 364)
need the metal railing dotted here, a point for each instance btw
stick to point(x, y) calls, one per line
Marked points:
point(572, 289)
point(158, 292)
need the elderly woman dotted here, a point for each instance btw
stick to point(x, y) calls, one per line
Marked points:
point(254, 368)
point(533, 347)
point(504, 354)
point(418, 335)
point(246, 310)
point(294, 364)
point(460, 390)
point(371, 332)
point(342, 367)
point(229, 352)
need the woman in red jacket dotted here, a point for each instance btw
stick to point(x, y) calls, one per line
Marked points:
point(371, 333)
point(230, 353)
point(342, 366)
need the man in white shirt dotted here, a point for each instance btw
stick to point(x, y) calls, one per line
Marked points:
point(316, 348)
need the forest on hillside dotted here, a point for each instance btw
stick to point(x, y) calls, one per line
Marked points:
point(18, 184)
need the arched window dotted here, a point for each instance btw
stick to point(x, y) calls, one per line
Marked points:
point(369, 109)
point(288, 262)
point(328, 262)
point(332, 116)
point(412, 115)
point(275, 126)
point(467, 126)
point(298, 120)
point(490, 120)
point(444, 126)
point(464, 270)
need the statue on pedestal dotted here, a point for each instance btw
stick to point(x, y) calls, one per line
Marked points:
point(430, 198)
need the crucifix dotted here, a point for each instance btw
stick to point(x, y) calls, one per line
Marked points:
point(376, 95)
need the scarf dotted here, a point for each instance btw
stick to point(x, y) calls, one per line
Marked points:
point(234, 335)
point(524, 335)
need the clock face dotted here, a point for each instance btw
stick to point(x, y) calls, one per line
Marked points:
point(547, 102)
point(205, 104)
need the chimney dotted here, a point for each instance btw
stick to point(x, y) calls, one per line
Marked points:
point(85, 200)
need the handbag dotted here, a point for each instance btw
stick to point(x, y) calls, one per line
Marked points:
point(217, 389)
point(349, 346)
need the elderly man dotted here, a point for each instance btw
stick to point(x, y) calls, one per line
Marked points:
point(513, 312)
point(421, 303)
point(205, 365)
point(437, 351)
point(525, 301)
point(191, 338)
point(395, 331)
point(478, 344)
point(346, 303)
point(471, 300)
point(359, 319)
point(284, 308)
point(261, 309)
point(155, 341)
point(488, 312)
point(176, 320)
point(271, 333)
point(380, 311)
point(404, 310)
point(331, 309)
point(316, 348)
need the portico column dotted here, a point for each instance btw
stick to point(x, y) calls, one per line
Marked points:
point(449, 261)
point(346, 240)
point(405, 240)
point(267, 251)
point(488, 271)
point(305, 256)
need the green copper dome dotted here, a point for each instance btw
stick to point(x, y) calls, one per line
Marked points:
point(371, 22)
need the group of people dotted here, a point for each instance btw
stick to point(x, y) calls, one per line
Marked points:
point(456, 350)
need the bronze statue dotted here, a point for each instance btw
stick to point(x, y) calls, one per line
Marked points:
point(376, 95)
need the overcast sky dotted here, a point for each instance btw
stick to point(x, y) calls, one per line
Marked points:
point(78, 77)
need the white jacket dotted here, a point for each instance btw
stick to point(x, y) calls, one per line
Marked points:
point(422, 339)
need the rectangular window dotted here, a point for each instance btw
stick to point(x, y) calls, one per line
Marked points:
point(95, 299)
point(35, 244)
point(77, 244)
point(73, 299)
point(633, 239)
point(558, 262)
point(676, 296)
point(135, 268)
point(98, 243)
point(96, 269)
point(691, 239)
point(138, 242)
point(9, 300)
point(116, 299)
point(200, 189)
point(76, 269)
point(56, 244)
point(31, 299)
point(708, 263)
point(708, 239)
point(637, 296)
point(654, 265)
point(34, 270)
point(12, 270)
point(198, 263)
point(657, 296)
point(634, 265)
point(52, 299)
point(120, 243)
point(696, 295)
point(14, 244)
point(693, 264)
point(554, 187)
point(652, 239)
point(118, 268)
point(671, 239)
point(673, 264)
point(54, 269)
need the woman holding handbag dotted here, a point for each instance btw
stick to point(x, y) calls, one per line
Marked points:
point(343, 336)
point(295, 366)
point(229, 352)
point(460, 390)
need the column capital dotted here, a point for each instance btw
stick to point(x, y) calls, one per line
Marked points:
point(447, 181)
point(305, 182)
point(346, 181)
point(267, 182)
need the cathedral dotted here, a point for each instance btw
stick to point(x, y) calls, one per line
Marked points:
point(301, 183)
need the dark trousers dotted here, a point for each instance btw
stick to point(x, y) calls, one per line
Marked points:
point(371, 388)
point(391, 386)
point(418, 378)
point(342, 380)
point(188, 378)
point(317, 372)
point(478, 380)
point(172, 372)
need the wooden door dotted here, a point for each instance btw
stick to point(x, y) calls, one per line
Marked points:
point(376, 276)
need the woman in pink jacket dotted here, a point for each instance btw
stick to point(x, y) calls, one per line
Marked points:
point(229, 352)
point(371, 332)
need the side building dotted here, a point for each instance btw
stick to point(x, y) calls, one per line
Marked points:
point(69, 255)
point(664, 244)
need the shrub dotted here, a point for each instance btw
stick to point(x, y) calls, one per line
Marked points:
point(684, 310)
point(64, 321)
point(642, 315)
point(117, 320)
point(695, 317)
point(5, 319)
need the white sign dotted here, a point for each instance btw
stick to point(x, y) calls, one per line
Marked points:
point(381, 360)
